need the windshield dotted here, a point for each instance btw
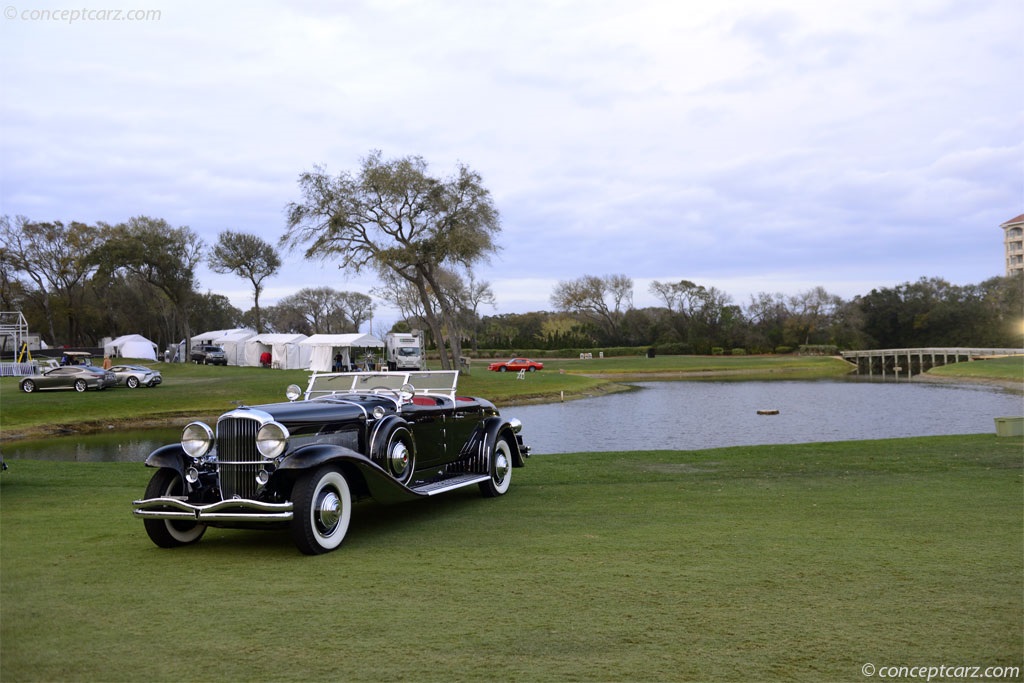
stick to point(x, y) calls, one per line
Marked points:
point(434, 382)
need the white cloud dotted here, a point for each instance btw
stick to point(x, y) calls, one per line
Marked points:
point(792, 143)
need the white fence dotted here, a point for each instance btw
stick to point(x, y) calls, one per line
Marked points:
point(18, 369)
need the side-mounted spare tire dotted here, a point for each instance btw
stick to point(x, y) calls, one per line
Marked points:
point(393, 448)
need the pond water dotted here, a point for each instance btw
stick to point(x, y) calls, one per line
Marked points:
point(695, 415)
point(677, 415)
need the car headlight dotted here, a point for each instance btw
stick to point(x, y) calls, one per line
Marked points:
point(272, 440)
point(196, 439)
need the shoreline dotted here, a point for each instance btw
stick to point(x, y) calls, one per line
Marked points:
point(1009, 384)
point(617, 382)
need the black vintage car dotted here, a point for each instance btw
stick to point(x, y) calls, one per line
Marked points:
point(390, 436)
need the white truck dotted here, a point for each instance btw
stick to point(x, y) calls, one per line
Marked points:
point(404, 351)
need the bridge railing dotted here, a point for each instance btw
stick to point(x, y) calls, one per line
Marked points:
point(917, 360)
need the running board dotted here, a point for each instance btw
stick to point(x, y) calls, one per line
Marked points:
point(457, 482)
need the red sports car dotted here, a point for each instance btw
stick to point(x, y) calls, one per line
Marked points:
point(515, 365)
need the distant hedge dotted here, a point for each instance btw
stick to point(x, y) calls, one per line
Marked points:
point(672, 349)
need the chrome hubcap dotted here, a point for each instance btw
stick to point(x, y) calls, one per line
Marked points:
point(500, 466)
point(328, 512)
point(399, 458)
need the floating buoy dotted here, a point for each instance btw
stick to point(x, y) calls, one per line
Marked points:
point(768, 412)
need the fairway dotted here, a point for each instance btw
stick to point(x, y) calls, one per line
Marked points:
point(798, 562)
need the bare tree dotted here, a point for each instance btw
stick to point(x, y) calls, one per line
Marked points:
point(465, 293)
point(247, 256)
point(323, 310)
point(812, 311)
point(603, 300)
point(55, 258)
point(477, 293)
point(396, 219)
point(404, 295)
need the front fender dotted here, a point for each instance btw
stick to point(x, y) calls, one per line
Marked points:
point(379, 484)
point(495, 427)
point(314, 455)
point(172, 455)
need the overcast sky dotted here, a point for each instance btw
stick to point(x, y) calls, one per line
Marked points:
point(768, 145)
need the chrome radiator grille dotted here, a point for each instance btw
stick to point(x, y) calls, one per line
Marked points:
point(239, 461)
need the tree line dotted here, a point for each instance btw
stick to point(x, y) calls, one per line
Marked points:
point(597, 311)
point(78, 283)
point(423, 236)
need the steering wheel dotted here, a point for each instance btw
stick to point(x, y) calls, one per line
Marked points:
point(403, 395)
point(389, 390)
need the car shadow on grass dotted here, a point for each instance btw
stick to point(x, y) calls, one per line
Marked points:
point(373, 525)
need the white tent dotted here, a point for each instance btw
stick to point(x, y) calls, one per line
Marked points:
point(206, 338)
point(327, 346)
point(131, 346)
point(209, 337)
point(233, 343)
point(284, 350)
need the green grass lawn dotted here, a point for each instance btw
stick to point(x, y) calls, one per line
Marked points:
point(188, 391)
point(992, 368)
point(796, 562)
point(760, 367)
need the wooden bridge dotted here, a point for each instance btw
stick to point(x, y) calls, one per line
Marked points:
point(909, 362)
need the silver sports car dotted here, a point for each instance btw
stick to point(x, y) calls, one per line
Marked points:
point(77, 377)
point(133, 376)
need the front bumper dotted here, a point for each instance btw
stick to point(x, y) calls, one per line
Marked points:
point(224, 511)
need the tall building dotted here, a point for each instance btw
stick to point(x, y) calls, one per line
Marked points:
point(1014, 241)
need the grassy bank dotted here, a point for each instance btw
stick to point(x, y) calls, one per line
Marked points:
point(767, 563)
point(199, 391)
point(1009, 369)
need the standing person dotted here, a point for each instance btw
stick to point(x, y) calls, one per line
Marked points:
point(106, 363)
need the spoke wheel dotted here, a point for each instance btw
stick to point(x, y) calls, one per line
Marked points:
point(168, 533)
point(28, 386)
point(80, 385)
point(132, 382)
point(322, 504)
